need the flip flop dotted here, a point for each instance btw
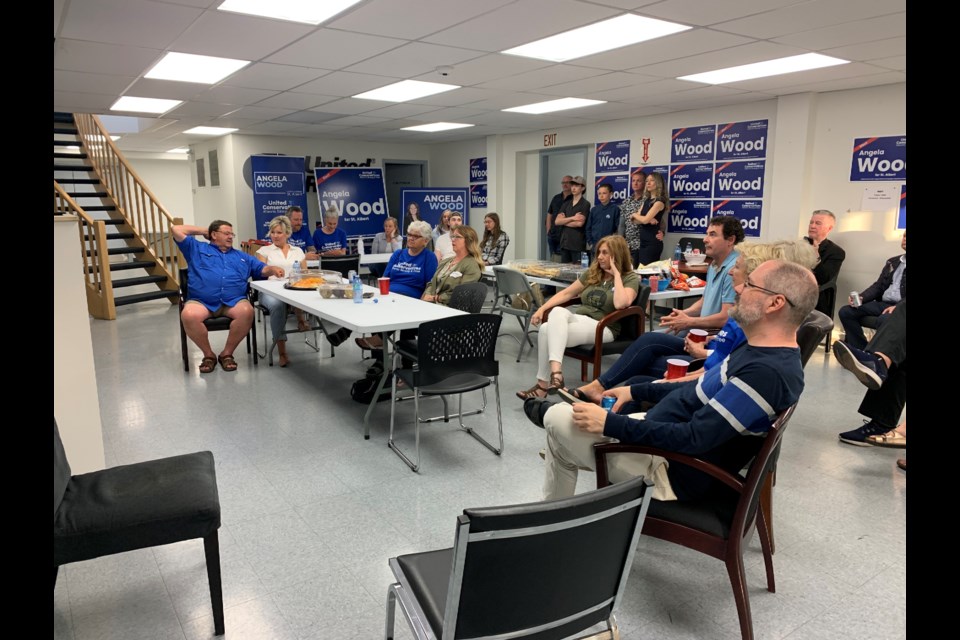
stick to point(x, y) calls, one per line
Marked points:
point(891, 440)
point(208, 364)
point(228, 363)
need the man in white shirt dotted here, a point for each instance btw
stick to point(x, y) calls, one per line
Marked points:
point(443, 247)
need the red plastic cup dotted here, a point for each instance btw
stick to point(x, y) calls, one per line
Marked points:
point(697, 335)
point(384, 286)
point(676, 368)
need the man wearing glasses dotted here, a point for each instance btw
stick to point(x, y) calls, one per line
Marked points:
point(722, 418)
point(553, 233)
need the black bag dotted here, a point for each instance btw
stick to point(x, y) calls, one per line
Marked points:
point(363, 389)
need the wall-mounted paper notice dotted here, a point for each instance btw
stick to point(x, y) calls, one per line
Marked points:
point(880, 197)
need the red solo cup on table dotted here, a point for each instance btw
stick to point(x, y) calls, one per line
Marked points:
point(384, 286)
point(697, 335)
point(676, 368)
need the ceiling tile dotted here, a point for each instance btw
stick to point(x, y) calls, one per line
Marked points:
point(232, 35)
point(414, 59)
point(351, 106)
point(806, 16)
point(545, 77)
point(293, 100)
point(343, 84)
point(279, 77)
point(131, 22)
point(73, 55)
point(413, 18)
point(201, 110)
point(325, 46)
point(90, 82)
point(848, 33)
point(233, 95)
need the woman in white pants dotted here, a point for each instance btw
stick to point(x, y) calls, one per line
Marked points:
point(608, 285)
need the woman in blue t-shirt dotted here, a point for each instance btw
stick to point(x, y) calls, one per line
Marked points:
point(328, 240)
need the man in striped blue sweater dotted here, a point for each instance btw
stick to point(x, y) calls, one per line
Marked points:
point(722, 418)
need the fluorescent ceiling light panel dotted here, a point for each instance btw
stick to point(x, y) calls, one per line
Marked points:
point(179, 150)
point(187, 67)
point(209, 131)
point(560, 104)
point(776, 67)
point(406, 90)
point(144, 105)
point(594, 38)
point(306, 11)
point(437, 126)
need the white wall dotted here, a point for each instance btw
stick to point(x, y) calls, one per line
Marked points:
point(450, 167)
point(169, 180)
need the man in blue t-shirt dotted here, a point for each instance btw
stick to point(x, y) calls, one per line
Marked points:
point(328, 240)
point(721, 418)
point(217, 277)
point(300, 237)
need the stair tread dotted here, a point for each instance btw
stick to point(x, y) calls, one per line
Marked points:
point(66, 130)
point(119, 251)
point(78, 180)
point(131, 282)
point(64, 155)
point(126, 266)
point(87, 194)
point(73, 167)
point(142, 297)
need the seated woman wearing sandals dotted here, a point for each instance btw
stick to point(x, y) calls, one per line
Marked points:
point(466, 265)
point(608, 285)
point(495, 240)
point(281, 254)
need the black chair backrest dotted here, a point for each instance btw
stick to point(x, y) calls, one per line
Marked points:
point(343, 264)
point(61, 470)
point(460, 344)
point(184, 291)
point(631, 328)
point(523, 566)
point(811, 332)
point(468, 297)
point(762, 464)
point(695, 242)
point(827, 301)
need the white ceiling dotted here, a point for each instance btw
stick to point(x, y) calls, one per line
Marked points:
point(302, 76)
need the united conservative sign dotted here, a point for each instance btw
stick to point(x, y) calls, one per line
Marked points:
point(747, 211)
point(431, 202)
point(613, 157)
point(358, 194)
point(478, 196)
point(277, 184)
point(879, 158)
point(691, 180)
point(742, 140)
point(478, 170)
point(739, 179)
point(693, 144)
point(689, 216)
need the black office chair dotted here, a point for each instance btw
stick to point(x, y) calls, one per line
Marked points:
point(343, 264)
point(827, 305)
point(544, 570)
point(511, 284)
point(467, 297)
point(135, 506)
point(454, 356)
point(720, 526)
point(213, 324)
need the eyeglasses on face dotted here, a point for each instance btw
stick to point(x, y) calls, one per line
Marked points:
point(452, 237)
point(750, 285)
point(414, 236)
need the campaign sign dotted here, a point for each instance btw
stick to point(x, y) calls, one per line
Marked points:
point(277, 184)
point(358, 194)
point(747, 211)
point(691, 180)
point(693, 144)
point(742, 140)
point(902, 214)
point(689, 216)
point(478, 196)
point(431, 203)
point(620, 185)
point(739, 179)
point(478, 170)
point(613, 157)
point(882, 158)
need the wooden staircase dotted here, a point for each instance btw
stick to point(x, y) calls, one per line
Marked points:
point(124, 231)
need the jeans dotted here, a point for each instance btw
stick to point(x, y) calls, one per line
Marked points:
point(642, 357)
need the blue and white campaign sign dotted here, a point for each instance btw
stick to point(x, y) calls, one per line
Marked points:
point(358, 193)
point(693, 144)
point(739, 179)
point(691, 180)
point(747, 211)
point(742, 140)
point(613, 157)
point(619, 183)
point(689, 216)
point(431, 202)
point(478, 196)
point(879, 158)
point(277, 184)
point(902, 213)
point(478, 170)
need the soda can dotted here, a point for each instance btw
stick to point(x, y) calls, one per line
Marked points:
point(607, 402)
point(654, 284)
point(855, 296)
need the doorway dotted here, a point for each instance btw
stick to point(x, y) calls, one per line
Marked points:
point(402, 174)
point(554, 164)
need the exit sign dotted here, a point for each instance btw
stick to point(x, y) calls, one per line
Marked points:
point(550, 140)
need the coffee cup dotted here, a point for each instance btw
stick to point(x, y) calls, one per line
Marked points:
point(384, 286)
point(697, 335)
point(676, 368)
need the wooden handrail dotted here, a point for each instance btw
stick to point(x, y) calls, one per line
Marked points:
point(140, 208)
point(93, 252)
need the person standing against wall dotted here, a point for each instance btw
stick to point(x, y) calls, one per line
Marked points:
point(573, 220)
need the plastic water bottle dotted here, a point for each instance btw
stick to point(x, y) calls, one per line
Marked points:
point(689, 247)
point(677, 255)
point(360, 248)
point(357, 290)
point(584, 259)
point(294, 271)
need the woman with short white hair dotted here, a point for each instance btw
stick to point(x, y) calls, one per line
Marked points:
point(281, 254)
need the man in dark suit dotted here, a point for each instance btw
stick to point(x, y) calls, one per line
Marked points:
point(877, 300)
point(831, 254)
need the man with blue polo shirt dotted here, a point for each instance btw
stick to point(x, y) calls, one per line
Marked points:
point(217, 287)
point(300, 236)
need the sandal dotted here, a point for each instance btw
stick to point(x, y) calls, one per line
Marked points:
point(891, 439)
point(208, 364)
point(536, 391)
point(556, 382)
point(303, 325)
point(284, 360)
point(228, 363)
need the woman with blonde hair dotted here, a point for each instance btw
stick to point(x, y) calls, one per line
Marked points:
point(608, 285)
point(466, 265)
point(281, 254)
point(641, 226)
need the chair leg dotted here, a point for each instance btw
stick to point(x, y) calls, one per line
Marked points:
point(391, 612)
point(56, 570)
point(764, 536)
point(183, 347)
point(499, 419)
point(766, 509)
point(583, 371)
point(211, 548)
point(734, 564)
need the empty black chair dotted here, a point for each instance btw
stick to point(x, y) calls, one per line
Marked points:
point(510, 284)
point(544, 570)
point(827, 304)
point(135, 506)
point(213, 324)
point(343, 264)
point(454, 356)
